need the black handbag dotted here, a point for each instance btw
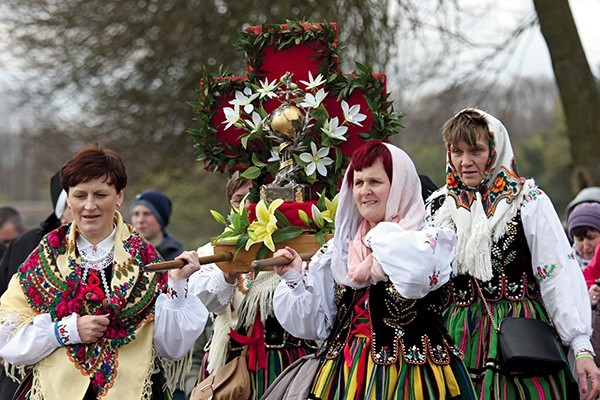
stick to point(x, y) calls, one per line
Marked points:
point(528, 347)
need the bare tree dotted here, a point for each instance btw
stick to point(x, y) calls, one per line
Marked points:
point(578, 89)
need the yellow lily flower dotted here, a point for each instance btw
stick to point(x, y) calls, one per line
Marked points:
point(261, 230)
point(330, 209)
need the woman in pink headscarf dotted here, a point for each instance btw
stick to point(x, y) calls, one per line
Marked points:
point(375, 294)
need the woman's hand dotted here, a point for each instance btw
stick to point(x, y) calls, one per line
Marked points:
point(295, 261)
point(587, 371)
point(594, 294)
point(192, 264)
point(91, 327)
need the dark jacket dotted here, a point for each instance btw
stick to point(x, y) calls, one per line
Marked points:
point(16, 253)
point(170, 247)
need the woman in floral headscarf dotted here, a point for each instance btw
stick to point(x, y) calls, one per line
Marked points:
point(512, 249)
point(82, 316)
point(375, 295)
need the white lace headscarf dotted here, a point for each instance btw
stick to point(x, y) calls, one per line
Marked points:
point(404, 205)
point(480, 215)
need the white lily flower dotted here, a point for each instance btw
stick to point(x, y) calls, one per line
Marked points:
point(352, 114)
point(313, 83)
point(313, 101)
point(267, 89)
point(256, 122)
point(333, 130)
point(232, 115)
point(244, 99)
point(317, 161)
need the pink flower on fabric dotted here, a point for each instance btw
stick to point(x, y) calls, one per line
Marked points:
point(35, 297)
point(54, 239)
point(31, 262)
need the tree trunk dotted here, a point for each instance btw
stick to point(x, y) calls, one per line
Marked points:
point(579, 94)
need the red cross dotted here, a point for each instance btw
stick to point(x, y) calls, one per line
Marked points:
point(298, 59)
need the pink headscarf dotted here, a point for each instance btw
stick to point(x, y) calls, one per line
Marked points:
point(352, 260)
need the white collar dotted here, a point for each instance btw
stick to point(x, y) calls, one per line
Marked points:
point(104, 246)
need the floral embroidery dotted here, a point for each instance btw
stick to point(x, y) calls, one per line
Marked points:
point(532, 195)
point(433, 278)
point(451, 181)
point(546, 271)
point(61, 333)
point(172, 293)
point(432, 241)
point(499, 184)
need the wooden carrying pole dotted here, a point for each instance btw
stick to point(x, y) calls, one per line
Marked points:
point(277, 261)
point(175, 264)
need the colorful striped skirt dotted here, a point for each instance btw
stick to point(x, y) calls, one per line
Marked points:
point(472, 331)
point(354, 375)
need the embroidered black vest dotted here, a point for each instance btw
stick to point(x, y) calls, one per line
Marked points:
point(513, 278)
point(411, 328)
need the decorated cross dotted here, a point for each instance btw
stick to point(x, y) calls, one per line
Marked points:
point(290, 125)
point(294, 116)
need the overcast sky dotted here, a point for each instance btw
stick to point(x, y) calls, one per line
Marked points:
point(533, 57)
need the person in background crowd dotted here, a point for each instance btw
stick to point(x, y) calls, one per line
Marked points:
point(19, 249)
point(11, 224)
point(22, 245)
point(150, 213)
point(236, 190)
point(587, 195)
point(512, 250)
point(583, 226)
point(82, 313)
point(375, 295)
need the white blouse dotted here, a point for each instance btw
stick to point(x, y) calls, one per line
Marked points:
point(416, 262)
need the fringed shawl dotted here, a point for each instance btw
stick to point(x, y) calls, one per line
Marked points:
point(120, 363)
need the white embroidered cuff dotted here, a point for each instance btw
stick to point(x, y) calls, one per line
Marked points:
point(65, 330)
point(582, 343)
point(177, 291)
point(293, 278)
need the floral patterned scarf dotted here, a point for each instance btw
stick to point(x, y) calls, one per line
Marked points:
point(118, 365)
point(481, 214)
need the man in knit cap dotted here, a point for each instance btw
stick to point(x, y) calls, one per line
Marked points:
point(584, 229)
point(150, 213)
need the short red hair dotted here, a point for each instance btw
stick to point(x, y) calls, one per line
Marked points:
point(366, 155)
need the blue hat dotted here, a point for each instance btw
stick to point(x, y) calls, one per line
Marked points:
point(158, 203)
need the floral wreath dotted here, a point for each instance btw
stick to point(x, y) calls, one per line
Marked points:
point(247, 103)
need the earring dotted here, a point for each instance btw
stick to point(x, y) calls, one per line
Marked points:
point(118, 204)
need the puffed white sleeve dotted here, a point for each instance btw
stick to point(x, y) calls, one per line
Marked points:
point(416, 262)
point(28, 344)
point(561, 281)
point(179, 320)
point(304, 302)
point(210, 286)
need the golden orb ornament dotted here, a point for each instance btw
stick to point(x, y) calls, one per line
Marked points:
point(286, 120)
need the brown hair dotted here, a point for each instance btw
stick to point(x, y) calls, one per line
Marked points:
point(467, 125)
point(93, 162)
point(234, 183)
